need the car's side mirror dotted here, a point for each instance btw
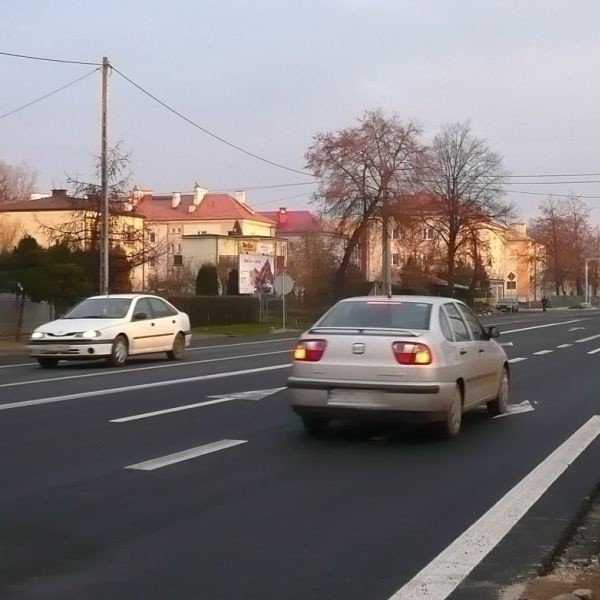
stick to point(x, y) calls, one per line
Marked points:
point(492, 332)
point(141, 316)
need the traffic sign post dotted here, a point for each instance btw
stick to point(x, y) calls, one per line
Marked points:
point(283, 285)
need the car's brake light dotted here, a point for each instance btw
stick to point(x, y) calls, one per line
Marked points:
point(309, 350)
point(410, 353)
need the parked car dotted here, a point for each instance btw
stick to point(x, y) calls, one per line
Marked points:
point(401, 357)
point(112, 327)
point(508, 305)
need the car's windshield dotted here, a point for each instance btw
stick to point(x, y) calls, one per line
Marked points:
point(379, 314)
point(100, 308)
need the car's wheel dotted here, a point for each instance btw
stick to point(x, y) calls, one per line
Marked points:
point(47, 362)
point(119, 353)
point(316, 426)
point(498, 405)
point(178, 348)
point(450, 426)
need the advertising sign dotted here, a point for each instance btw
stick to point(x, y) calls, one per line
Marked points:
point(256, 274)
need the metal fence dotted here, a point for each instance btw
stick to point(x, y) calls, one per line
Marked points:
point(34, 314)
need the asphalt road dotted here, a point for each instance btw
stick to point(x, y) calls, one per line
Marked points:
point(253, 508)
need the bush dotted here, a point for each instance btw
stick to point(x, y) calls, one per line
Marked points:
point(207, 281)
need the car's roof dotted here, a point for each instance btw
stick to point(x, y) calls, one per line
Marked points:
point(435, 300)
point(122, 296)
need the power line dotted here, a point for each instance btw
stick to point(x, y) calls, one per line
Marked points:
point(546, 194)
point(555, 175)
point(55, 60)
point(203, 129)
point(56, 91)
point(551, 182)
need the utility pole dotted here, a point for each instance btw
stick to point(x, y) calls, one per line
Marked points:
point(104, 244)
point(386, 275)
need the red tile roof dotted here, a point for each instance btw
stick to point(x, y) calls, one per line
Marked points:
point(298, 221)
point(212, 207)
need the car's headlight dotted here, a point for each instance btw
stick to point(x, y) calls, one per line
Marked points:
point(90, 334)
point(37, 335)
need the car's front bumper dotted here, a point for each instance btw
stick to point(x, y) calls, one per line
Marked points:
point(69, 349)
point(343, 399)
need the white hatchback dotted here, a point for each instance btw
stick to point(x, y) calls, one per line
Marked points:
point(112, 327)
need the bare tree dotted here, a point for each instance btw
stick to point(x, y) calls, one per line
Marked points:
point(9, 233)
point(464, 178)
point(16, 182)
point(360, 169)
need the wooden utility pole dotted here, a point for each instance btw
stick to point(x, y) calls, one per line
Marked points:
point(104, 244)
point(386, 262)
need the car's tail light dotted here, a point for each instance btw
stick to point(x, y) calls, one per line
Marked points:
point(410, 353)
point(309, 350)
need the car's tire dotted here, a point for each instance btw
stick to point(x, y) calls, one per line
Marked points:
point(119, 352)
point(47, 362)
point(498, 405)
point(178, 348)
point(451, 425)
point(316, 426)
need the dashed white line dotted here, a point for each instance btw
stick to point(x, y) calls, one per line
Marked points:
point(594, 351)
point(132, 388)
point(171, 459)
point(516, 360)
point(541, 326)
point(564, 346)
point(542, 352)
point(587, 339)
point(446, 572)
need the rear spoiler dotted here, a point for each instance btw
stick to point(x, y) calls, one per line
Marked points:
point(363, 331)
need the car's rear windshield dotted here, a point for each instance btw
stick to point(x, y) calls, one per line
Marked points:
point(100, 308)
point(378, 314)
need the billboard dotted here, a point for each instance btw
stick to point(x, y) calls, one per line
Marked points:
point(256, 273)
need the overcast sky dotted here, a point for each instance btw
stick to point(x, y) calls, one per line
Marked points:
point(268, 75)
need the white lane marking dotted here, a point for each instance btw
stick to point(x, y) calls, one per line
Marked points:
point(291, 339)
point(507, 344)
point(134, 369)
point(515, 409)
point(516, 360)
point(30, 364)
point(171, 459)
point(142, 386)
point(542, 352)
point(564, 346)
point(217, 400)
point(588, 339)
point(446, 572)
point(575, 328)
point(541, 326)
point(594, 351)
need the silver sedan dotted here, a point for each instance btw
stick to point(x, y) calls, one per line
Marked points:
point(402, 357)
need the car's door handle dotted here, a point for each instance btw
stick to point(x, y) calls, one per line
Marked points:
point(174, 321)
point(481, 350)
point(152, 324)
point(463, 351)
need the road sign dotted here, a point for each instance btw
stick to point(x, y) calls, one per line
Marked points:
point(283, 284)
point(511, 276)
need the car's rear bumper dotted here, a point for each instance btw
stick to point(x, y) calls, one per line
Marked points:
point(347, 397)
point(368, 414)
point(72, 349)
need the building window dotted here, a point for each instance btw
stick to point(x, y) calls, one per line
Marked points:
point(429, 233)
point(177, 248)
point(177, 260)
point(152, 237)
point(170, 248)
point(395, 233)
point(511, 285)
point(395, 259)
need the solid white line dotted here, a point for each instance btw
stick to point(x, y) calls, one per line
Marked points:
point(445, 573)
point(291, 339)
point(30, 364)
point(171, 459)
point(594, 351)
point(156, 413)
point(564, 346)
point(542, 352)
point(132, 388)
point(587, 339)
point(516, 360)
point(134, 369)
point(541, 326)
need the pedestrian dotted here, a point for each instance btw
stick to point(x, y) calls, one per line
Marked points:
point(544, 303)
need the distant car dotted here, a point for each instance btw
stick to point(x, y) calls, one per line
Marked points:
point(508, 305)
point(402, 357)
point(112, 327)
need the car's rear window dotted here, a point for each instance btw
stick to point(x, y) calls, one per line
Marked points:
point(379, 314)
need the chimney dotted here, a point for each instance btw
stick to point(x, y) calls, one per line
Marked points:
point(240, 196)
point(59, 193)
point(136, 195)
point(282, 215)
point(175, 199)
point(199, 193)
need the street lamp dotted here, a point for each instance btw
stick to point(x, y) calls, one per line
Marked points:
point(587, 293)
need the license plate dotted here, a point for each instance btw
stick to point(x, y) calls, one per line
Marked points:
point(56, 349)
point(359, 397)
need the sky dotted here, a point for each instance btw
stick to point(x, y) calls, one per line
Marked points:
point(268, 75)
